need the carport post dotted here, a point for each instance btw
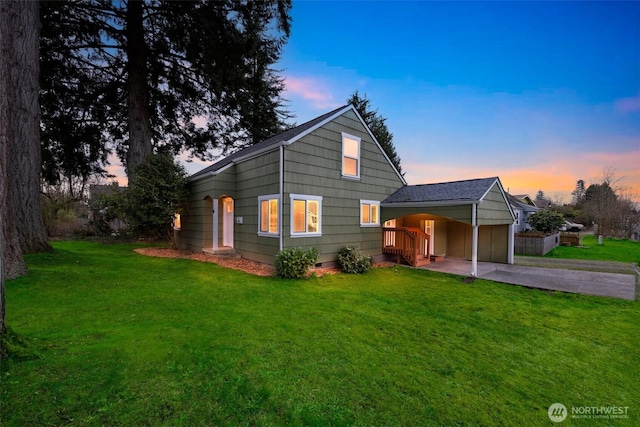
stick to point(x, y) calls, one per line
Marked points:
point(511, 245)
point(474, 241)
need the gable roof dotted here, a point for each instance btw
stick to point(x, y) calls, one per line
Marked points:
point(524, 198)
point(517, 202)
point(456, 192)
point(286, 138)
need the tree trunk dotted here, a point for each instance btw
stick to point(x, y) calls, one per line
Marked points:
point(21, 56)
point(18, 58)
point(139, 121)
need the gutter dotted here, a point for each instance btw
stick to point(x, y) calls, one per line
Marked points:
point(429, 204)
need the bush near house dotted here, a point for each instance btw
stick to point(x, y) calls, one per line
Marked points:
point(352, 261)
point(294, 263)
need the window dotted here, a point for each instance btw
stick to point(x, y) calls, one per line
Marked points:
point(268, 224)
point(306, 215)
point(176, 222)
point(369, 213)
point(350, 156)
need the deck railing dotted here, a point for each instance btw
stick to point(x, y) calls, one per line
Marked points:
point(410, 243)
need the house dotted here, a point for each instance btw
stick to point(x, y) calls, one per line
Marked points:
point(542, 202)
point(525, 198)
point(326, 184)
point(522, 211)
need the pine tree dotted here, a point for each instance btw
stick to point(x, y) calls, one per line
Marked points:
point(21, 226)
point(579, 193)
point(73, 104)
point(175, 74)
point(377, 125)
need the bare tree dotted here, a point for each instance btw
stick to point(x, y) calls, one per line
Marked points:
point(609, 204)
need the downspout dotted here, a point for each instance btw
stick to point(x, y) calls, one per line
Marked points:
point(474, 240)
point(281, 191)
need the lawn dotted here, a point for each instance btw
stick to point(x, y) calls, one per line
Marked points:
point(124, 339)
point(610, 250)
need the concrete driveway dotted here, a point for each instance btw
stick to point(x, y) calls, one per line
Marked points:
point(615, 285)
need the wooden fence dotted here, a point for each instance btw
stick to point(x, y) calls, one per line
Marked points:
point(568, 238)
point(535, 244)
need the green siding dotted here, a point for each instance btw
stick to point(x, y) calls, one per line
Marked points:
point(313, 166)
point(494, 209)
point(459, 237)
point(196, 230)
point(493, 243)
point(256, 177)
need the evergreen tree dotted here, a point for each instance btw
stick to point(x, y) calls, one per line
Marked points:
point(173, 74)
point(262, 109)
point(377, 125)
point(578, 193)
point(21, 226)
point(157, 191)
point(21, 128)
point(73, 103)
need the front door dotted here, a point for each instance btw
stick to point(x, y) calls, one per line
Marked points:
point(227, 222)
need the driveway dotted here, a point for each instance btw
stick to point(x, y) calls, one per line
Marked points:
point(601, 283)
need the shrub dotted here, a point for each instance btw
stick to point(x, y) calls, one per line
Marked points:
point(546, 221)
point(352, 261)
point(107, 210)
point(157, 191)
point(293, 263)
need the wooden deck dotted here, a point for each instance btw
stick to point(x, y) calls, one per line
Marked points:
point(408, 244)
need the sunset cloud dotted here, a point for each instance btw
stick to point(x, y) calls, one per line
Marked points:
point(628, 105)
point(556, 176)
point(312, 90)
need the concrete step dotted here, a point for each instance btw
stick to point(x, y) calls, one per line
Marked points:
point(422, 261)
point(224, 252)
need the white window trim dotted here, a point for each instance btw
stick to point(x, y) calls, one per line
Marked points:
point(260, 200)
point(359, 158)
point(305, 197)
point(371, 203)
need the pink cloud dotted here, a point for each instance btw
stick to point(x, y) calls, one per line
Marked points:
point(628, 105)
point(557, 177)
point(311, 89)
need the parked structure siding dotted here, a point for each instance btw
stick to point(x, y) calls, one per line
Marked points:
point(494, 208)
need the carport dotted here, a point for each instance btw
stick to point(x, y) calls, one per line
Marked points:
point(468, 219)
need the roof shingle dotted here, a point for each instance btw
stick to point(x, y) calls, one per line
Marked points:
point(272, 141)
point(471, 190)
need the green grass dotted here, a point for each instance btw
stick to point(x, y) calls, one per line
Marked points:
point(124, 339)
point(610, 250)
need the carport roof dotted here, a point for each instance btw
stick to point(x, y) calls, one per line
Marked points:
point(469, 191)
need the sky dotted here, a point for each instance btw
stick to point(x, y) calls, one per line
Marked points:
point(541, 94)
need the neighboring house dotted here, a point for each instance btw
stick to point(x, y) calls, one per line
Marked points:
point(524, 198)
point(522, 212)
point(542, 203)
point(327, 184)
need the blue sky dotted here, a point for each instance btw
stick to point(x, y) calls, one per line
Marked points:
point(539, 93)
